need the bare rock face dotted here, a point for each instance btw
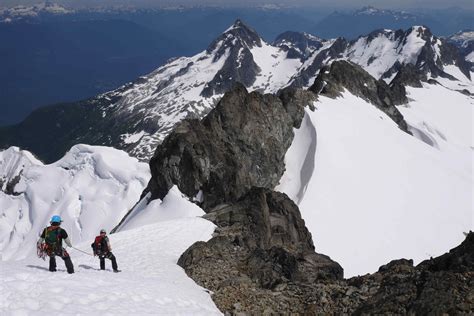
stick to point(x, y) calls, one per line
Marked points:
point(443, 285)
point(261, 244)
point(238, 145)
point(332, 80)
point(239, 65)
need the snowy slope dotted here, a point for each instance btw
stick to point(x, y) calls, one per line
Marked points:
point(377, 54)
point(461, 83)
point(175, 205)
point(91, 188)
point(150, 282)
point(107, 182)
point(370, 193)
point(276, 68)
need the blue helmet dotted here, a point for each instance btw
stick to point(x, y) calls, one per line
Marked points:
point(56, 219)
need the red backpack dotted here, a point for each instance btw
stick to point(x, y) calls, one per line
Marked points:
point(100, 246)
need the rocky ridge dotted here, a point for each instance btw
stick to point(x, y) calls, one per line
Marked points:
point(238, 145)
point(262, 259)
point(230, 162)
point(341, 75)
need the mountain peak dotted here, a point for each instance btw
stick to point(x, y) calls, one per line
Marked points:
point(242, 31)
point(237, 24)
point(237, 33)
point(420, 31)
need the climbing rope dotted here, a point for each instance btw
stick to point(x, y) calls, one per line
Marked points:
point(82, 251)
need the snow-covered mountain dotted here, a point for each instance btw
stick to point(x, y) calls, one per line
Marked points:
point(137, 116)
point(23, 11)
point(465, 41)
point(382, 53)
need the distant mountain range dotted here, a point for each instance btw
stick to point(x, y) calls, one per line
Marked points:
point(464, 40)
point(57, 54)
point(137, 116)
point(21, 12)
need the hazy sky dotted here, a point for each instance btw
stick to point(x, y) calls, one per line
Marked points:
point(398, 4)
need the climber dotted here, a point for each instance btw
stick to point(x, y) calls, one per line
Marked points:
point(50, 242)
point(102, 249)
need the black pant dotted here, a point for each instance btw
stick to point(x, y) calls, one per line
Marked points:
point(109, 256)
point(67, 261)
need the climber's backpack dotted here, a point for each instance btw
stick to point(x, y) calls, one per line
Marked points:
point(52, 239)
point(100, 246)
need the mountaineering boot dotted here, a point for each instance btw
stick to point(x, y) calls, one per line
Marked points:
point(117, 270)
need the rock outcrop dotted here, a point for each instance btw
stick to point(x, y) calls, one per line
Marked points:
point(444, 285)
point(261, 258)
point(340, 75)
point(261, 246)
point(238, 145)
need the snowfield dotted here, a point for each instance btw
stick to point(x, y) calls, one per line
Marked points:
point(150, 282)
point(378, 55)
point(91, 188)
point(375, 193)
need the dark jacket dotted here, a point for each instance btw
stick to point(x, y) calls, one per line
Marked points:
point(62, 235)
